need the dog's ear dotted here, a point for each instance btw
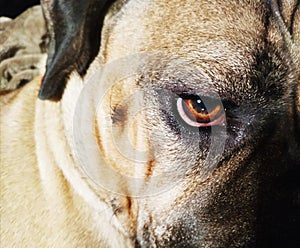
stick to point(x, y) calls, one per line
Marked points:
point(74, 28)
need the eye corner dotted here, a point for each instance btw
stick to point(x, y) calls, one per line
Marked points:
point(229, 104)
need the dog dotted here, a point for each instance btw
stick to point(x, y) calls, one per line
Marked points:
point(157, 124)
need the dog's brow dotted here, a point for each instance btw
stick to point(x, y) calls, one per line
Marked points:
point(197, 83)
point(202, 77)
point(192, 84)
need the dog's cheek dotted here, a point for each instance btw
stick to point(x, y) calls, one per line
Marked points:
point(176, 150)
point(193, 210)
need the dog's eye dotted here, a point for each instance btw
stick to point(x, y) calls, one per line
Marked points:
point(200, 111)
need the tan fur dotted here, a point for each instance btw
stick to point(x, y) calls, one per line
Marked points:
point(47, 198)
point(41, 194)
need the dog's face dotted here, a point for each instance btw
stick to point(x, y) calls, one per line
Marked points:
point(193, 100)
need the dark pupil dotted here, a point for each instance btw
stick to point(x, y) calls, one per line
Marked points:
point(199, 106)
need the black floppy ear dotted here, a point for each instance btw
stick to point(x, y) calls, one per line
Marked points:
point(74, 27)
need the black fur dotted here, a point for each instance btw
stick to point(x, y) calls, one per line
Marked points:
point(75, 29)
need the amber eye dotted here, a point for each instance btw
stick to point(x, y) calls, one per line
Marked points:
point(200, 112)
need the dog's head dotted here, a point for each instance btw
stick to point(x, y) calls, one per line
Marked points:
point(193, 112)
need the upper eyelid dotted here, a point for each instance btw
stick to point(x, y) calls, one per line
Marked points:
point(187, 93)
point(166, 91)
point(227, 103)
point(189, 86)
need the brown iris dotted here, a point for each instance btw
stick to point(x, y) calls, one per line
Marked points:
point(200, 112)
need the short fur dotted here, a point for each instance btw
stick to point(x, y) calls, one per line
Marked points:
point(245, 51)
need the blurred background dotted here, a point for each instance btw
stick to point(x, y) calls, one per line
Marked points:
point(12, 8)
